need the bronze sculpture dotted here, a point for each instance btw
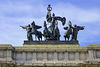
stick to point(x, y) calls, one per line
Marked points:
point(53, 28)
point(75, 31)
point(28, 29)
point(69, 30)
point(33, 30)
point(52, 32)
point(46, 32)
point(72, 31)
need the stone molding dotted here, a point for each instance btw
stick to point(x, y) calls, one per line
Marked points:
point(62, 55)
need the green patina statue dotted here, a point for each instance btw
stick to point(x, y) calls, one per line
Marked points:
point(69, 30)
point(72, 31)
point(33, 30)
point(52, 32)
point(53, 29)
point(28, 29)
point(75, 31)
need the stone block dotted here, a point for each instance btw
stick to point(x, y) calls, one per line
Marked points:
point(50, 42)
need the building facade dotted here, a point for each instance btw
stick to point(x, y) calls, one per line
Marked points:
point(49, 55)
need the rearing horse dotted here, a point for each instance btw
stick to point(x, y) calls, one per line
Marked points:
point(34, 31)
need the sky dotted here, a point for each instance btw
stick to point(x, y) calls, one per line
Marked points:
point(16, 13)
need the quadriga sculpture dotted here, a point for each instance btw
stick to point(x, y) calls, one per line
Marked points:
point(52, 32)
point(53, 29)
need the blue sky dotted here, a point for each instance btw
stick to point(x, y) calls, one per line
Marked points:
point(14, 13)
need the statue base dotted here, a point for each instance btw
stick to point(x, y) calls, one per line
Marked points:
point(50, 42)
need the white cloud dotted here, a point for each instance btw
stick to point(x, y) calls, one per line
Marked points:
point(76, 14)
point(13, 15)
point(22, 9)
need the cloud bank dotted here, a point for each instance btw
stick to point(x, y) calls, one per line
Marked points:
point(16, 13)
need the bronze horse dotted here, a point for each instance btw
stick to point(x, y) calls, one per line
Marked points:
point(52, 32)
point(34, 31)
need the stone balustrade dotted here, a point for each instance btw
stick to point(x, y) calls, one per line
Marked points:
point(50, 55)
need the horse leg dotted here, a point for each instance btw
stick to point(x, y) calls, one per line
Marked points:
point(65, 38)
point(38, 38)
point(41, 38)
point(68, 38)
point(59, 37)
point(45, 38)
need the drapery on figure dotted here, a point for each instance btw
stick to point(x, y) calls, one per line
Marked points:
point(53, 27)
point(69, 30)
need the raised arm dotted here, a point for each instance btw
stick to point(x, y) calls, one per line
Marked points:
point(24, 27)
point(80, 27)
point(65, 28)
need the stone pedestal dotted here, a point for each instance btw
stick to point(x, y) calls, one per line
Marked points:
point(62, 55)
point(50, 42)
